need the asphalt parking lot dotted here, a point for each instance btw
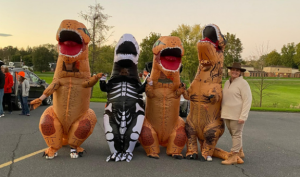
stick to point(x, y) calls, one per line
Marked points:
point(271, 144)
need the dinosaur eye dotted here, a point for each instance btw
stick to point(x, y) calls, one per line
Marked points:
point(85, 31)
point(158, 42)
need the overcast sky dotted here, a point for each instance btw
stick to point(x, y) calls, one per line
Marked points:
point(256, 22)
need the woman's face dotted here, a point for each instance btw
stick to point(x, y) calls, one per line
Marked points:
point(3, 69)
point(235, 73)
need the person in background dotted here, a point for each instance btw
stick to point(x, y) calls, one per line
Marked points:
point(9, 82)
point(23, 92)
point(236, 104)
point(2, 82)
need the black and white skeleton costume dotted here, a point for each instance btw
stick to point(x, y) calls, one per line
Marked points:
point(124, 111)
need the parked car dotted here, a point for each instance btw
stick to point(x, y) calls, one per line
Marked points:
point(184, 107)
point(37, 87)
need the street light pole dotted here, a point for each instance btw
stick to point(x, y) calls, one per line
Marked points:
point(93, 52)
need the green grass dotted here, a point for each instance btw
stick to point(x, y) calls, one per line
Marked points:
point(283, 94)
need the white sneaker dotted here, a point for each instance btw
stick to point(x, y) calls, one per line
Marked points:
point(209, 159)
point(2, 115)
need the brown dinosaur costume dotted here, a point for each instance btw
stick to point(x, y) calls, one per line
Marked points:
point(162, 124)
point(205, 93)
point(69, 120)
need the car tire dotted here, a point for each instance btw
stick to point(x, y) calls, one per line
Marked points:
point(17, 105)
point(47, 101)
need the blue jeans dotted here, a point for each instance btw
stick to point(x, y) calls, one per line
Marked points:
point(1, 100)
point(24, 104)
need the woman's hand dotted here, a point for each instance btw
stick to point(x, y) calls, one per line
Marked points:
point(241, 121)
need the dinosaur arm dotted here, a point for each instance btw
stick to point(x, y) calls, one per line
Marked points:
point(149, 91)
point(142, 88)
point(180, 90)
point(186, 95)
point(49, 91)
point(92, 81)
point(103, 86)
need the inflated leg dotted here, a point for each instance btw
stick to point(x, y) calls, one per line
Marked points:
point(113, 137)
point(80, 130)
point(177, 140)
point(52, 132)
point(211, 137)
point(192, 147)
point(131, 136)
point(148, 139)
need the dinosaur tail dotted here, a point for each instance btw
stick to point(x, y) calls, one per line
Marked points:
point(220, 153)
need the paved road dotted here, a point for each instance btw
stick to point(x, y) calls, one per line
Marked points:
point(271, 144)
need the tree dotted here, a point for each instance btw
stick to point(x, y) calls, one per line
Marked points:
point(41, 58)
point(287, 54)
point(99, 35)
point(233, 49)
point(146, 45)
point(273, 59)
point(261, 84)
point(189, 36)
point(296, 57)
point(106, 53)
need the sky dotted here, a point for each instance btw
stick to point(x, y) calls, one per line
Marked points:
point(267, 23)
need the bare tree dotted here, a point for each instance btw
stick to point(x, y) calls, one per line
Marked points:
point(261, 84)
point(100, 32)
point(97, 25)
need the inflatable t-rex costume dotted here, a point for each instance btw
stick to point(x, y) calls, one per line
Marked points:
point(162, 125)
point(124, 111)
point(205, 93)
point(69, 120)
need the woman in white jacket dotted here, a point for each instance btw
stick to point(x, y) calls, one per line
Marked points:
point(236, 104)
point(23, 92)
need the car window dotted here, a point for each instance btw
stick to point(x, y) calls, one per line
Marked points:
point(13, 74)
point(34, 78)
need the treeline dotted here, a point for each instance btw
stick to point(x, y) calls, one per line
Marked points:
point(288, 57)
point(42, 55)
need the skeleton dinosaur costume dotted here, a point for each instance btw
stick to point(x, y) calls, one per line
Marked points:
point(124, 111)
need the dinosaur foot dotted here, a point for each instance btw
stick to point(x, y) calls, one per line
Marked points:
point(155, 156)
point(177, 156)
point(49, 157)
point(50, 153)
point(75, 153)
point(127, 156)
point(193, 156)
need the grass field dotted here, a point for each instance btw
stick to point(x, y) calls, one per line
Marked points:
point(282, 95)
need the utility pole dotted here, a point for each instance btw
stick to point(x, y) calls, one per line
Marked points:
point(93, 52)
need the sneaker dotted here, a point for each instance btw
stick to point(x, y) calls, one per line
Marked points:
point(2, 115)
point(27, 114)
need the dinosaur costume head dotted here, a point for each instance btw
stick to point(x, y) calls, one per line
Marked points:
point(168, 51)
point(73, 39)
point(212, 35)
point(126, 58)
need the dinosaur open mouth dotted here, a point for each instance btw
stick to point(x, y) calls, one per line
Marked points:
point(127, 48)
point(126, 52)
point(170, 58)
point(70, 43)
